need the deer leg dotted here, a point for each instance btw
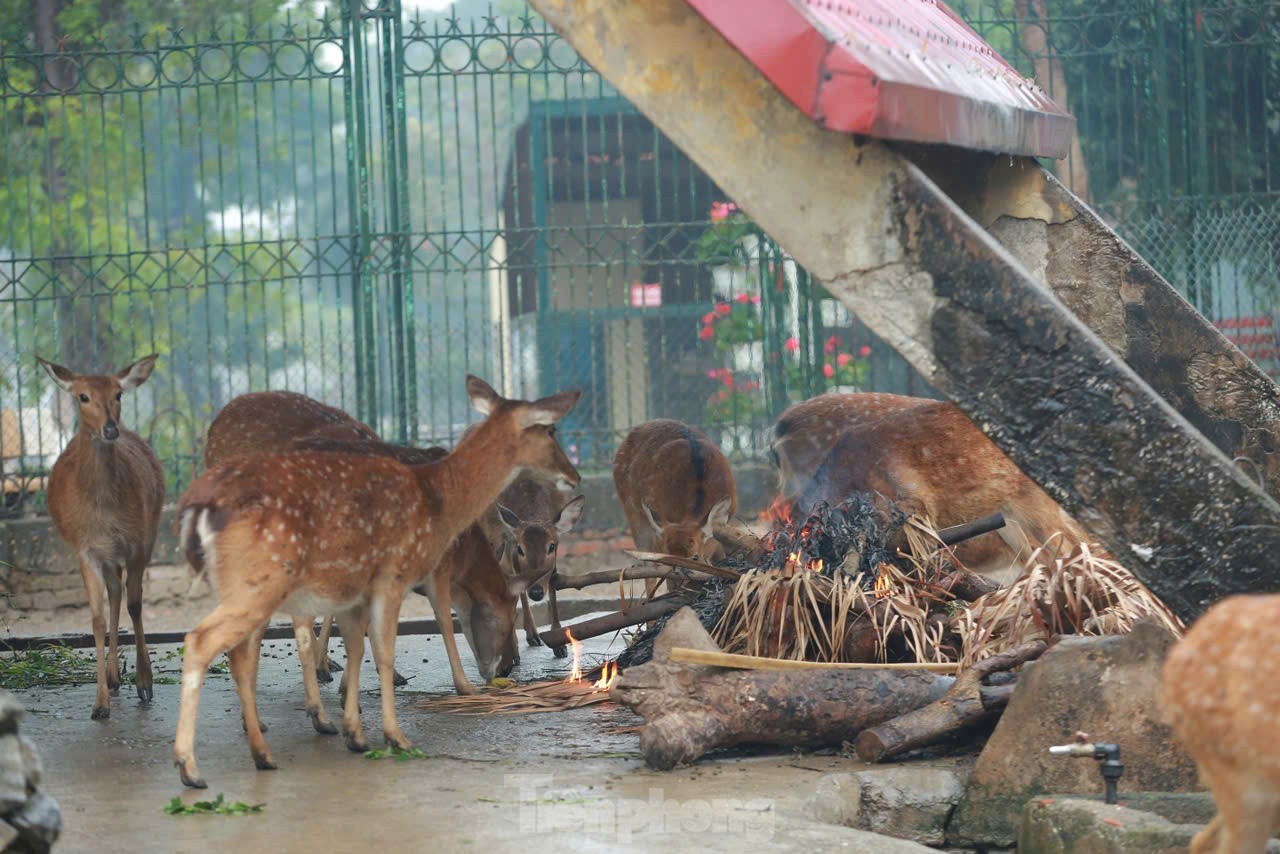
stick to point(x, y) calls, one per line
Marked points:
point(91, 573)
point(254, 639)
point(142, 669)
point(383, 623)
point(557, 651)
point(443, 601)
point(352, 625)
point(530, 627)
point(227, 626)
point(111, 577)
point(309, 653)
point(243, 658)
point(323, 665)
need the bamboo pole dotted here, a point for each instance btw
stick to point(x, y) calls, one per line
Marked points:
point(684, 655)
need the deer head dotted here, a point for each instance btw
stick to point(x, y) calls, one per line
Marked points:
point(534, 544)
point(99, 396)
point(692, 538)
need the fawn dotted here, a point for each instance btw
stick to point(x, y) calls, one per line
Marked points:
point(676, 488)
point(1219, 688)
point(105, 494)
point(310, 532)
point(927, 457)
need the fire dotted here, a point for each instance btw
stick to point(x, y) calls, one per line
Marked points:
point(606, 677)
point(815, 565)
point(883, 588)
point(779, 512)
point(575, 675)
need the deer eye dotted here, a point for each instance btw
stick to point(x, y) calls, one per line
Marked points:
point(84, 398)
point(551, 549)
point(520, 551)
point(118, 394)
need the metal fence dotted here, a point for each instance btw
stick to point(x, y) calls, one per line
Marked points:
point(365, 207)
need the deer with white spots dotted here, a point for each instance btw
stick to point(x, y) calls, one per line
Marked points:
point(309, 533)
point(1221, 689)
point(105, 494)
point(925, 456)
point(676, 488)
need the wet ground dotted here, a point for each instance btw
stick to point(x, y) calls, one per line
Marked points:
point(556, 782)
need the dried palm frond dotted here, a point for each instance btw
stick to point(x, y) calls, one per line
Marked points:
point(527, 698)
point(1084, 593)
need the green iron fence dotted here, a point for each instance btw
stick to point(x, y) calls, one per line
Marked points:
point(367, 206)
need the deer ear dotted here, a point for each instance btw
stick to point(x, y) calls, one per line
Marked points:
point(482, 395)
point(549, 410)
point(510, 519)
point(718, 517)
point(137, 373)
point(58, 374)
point(569, 514)
point(649, 515)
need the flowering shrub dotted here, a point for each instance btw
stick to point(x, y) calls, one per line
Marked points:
point(838, 368)
point(722, 242)
point(739, 401)
point(732, 323)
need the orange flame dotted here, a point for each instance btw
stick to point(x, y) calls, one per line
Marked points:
point(883, 588)
point(606, 678)
point(815, 565)
point(779, 512)
point(575, 675)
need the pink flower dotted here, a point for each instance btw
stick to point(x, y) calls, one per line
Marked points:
point(713, 374)
point(743, 298)
point(791, 344)
point(831, 345)
point(719, 211)
point(843, 359)
point(864, 351)
point(709, 318)
point(755, 300)
point(727, 379)
point(707, 333)
point(750, 385)
point(723, 308)
point(828, 371)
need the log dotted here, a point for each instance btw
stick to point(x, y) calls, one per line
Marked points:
point(967, 702)
point(959, 533)
point(690, 710)
point(967, 585)
point(631, 573)
point(634, 616)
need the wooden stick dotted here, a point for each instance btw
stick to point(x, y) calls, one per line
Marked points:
point(959, 533)
point(684, 655)
point(612, 622)
point(686, 563)
point(609, 576)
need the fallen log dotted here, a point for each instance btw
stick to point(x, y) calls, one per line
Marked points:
point(634, 616)
point(690, 709)
point(966, 703)
point(967, 585)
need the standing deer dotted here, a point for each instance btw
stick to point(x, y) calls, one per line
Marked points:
point(346, 534)
point(105, 494)
point(925, 456)
point(676, 488)
point(1221, 688)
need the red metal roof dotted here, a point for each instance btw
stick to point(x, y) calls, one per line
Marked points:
point(893, 69)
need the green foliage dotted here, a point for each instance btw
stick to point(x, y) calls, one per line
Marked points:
point(60, 665)
point(217, 806)
point(722, 242)
point(729, 324)
point(395, 753)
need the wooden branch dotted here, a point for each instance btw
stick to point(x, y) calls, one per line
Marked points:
point(959, 533)
point(683, 655)
point(634, 616)
point(610, 576)
point(967, 702)
point(686, 563)
point(968, 585)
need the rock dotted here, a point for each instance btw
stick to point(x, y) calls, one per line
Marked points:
point(837, 799)
point(683, 629)
point(38, 823)
point(11, 712)
point(13, 777)
point(32, 767)
point(7, 834)
point(909, 802)
point(1143, 823)
point(1104, 686)
point(819, 837)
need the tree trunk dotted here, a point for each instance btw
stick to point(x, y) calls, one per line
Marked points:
point(1033, 22)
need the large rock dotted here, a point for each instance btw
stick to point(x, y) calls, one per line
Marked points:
point(38, 824)
point(907, 801)
point(1106, 687)
point(13, 777)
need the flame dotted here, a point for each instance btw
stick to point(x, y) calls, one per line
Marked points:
point(815, 565)
point(779, 512)
point(883, 588)
point(575, 675)
point(606, 678)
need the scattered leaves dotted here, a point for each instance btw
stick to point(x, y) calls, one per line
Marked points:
point(396, 753)
point(217, 806)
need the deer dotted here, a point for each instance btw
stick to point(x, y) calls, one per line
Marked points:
point(105, 495)
point(533, 517)
point(676, 489)
point(306, 532)
point(927, 458)
point(1218, 689)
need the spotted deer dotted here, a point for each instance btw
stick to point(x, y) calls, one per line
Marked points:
point(533, 516)
point(308, 532)
point(1220, 688)
point(105, 494)
point(676, 488)
point(927, 457)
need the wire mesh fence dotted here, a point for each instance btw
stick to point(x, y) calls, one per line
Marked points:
point(367, 206)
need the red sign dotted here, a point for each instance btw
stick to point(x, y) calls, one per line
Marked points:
point(646, 295)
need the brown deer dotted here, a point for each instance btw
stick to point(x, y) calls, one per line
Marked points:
point(927, 457)
point(105, 494)
point(676, 488)
point(1221, 688)
point(309, 532)
point(534, 516)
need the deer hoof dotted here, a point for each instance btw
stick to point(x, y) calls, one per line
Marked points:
point(356, 742)
point(321, 725)
point(194, 781)
point(533, 640)
point(263, 762)
point(398, 680)
point(145, 693)
point(323, 675)
point(559, 652)
point(334, 666)
point(100, 713)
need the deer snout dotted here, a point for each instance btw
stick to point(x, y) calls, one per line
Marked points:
point(110, 431)
point(536, 592)
point(567, 484)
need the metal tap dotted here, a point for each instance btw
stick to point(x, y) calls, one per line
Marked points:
point(1108, 756)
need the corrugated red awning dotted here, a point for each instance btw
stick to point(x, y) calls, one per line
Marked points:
point(893, 69)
